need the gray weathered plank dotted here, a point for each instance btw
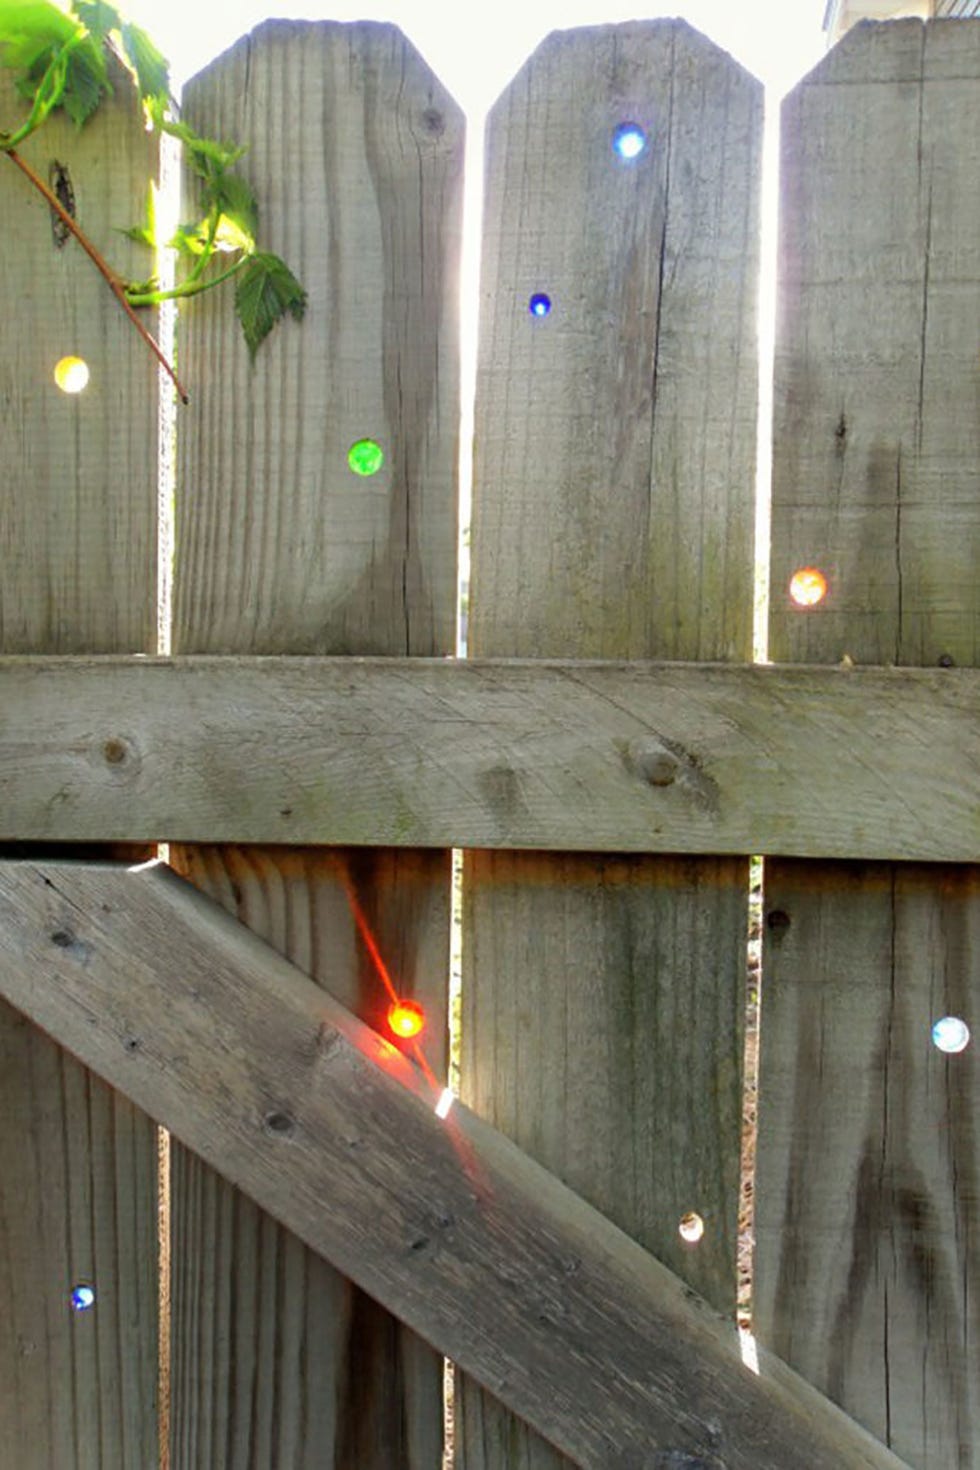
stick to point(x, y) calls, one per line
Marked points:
point(875, 476)
point(867, 1270)
point(868, 1170)
point(259, 1320)
point(356, 154)
point(642, 376)
point(447, 1222)
point(612, 517)
point(78, 557)
point(859, 763)
point(339, 563)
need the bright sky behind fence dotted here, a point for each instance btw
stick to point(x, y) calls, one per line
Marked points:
point(475, 49)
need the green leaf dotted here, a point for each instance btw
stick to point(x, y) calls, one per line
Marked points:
point(33, 34)
point(151, 67)
point(60, 65)
point(86, 82)
point(266, 291)
point(98, 17)
point(190, 239)
point(230, 237)
point(43, 87)
point(39, 69)
point(205, 156)
point(30, 26)
point(238, 225)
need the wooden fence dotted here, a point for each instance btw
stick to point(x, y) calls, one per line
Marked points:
point(608, 758)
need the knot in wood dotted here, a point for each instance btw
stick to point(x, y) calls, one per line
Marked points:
point(279, 1125)
point(777, 922)
point(119, 757)
point(114, 751)
point(655, 762)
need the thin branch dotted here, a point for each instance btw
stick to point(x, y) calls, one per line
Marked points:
point(115, 284)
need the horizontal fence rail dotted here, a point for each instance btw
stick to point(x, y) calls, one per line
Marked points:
point(277, 1284)
point(505, 753)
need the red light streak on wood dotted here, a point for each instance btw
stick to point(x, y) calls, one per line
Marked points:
point(370, 943)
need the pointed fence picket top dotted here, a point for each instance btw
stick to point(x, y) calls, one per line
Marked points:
point(78, 549)
point(612, 517)
point(355, 151)
point(603, 997)
point(867, 1191)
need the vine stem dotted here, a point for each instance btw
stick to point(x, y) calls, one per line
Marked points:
point(101, 265)
point(182, 292)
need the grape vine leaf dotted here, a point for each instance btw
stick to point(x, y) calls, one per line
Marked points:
point(205, 156)
point(189, 240)
point(151, 67)
point(86, 83)
point(235, 200)
point(60, 64)
point(63, 56)
point(29, 28)
point(98, 17)
point(266, 291)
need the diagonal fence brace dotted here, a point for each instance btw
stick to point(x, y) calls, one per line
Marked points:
point(448, 1224)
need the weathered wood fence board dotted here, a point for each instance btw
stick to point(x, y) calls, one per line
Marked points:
point(615, 438)
point(277, 1357)
point(615, 453)
point(867, 1194)
point(79, 553)
point(364, 202)
point(866, 1265)
point(588, 756)
point(876, 422)
point(325, 1123)
point(282, 548)
point(77, 574)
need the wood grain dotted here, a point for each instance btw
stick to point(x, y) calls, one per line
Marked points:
point(643, 375)
point(612, 518)
point(276, 1357)
point(338, 563)
point(78, 542)
point(859, 763)
point(325, 1123)
point(867, 1188)
point(875, 405)
point(78, 556)
point(867, 1197)
point(281, 548)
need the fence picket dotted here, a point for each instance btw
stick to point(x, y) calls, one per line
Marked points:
point(613, 510)
point(356, 153)
point(867, 1279)
point(615, 445)
point(78, 535)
